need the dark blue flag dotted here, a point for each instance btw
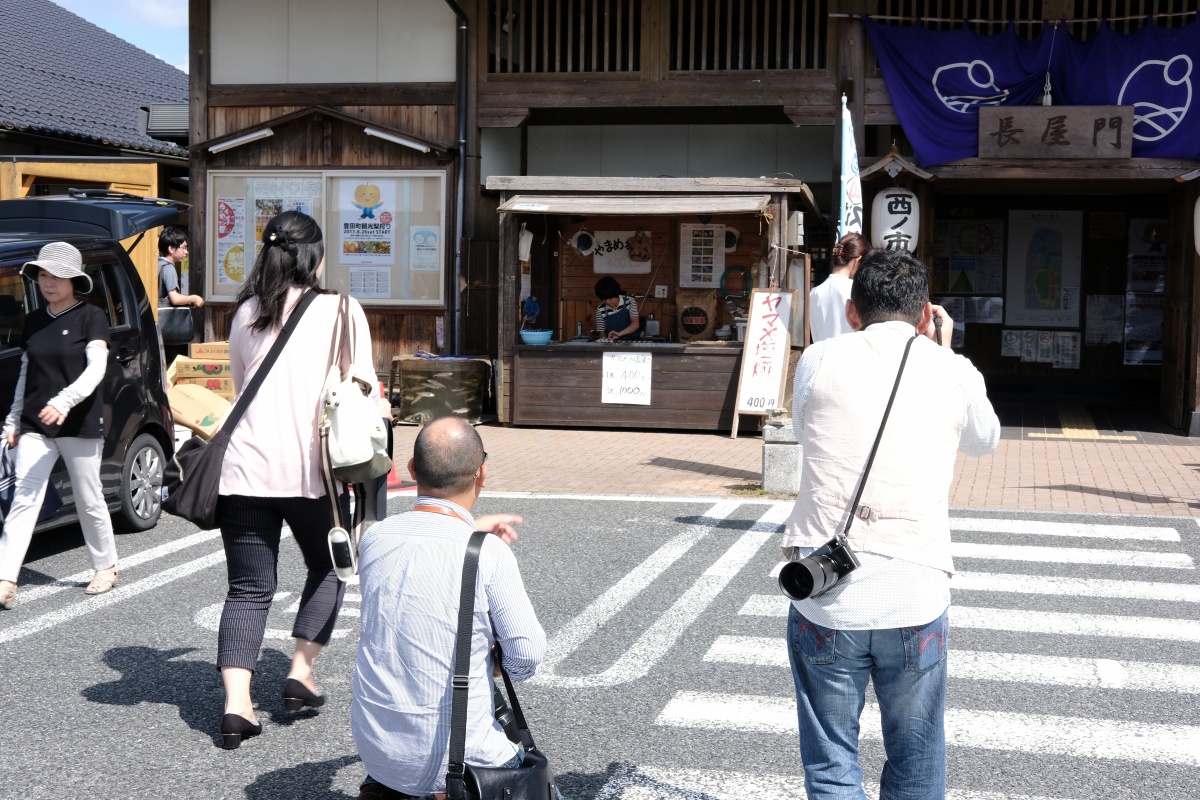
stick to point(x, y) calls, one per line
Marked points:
point(938, 79)
point(1154, 70)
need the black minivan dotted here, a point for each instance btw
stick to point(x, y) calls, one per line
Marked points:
point(139, 433)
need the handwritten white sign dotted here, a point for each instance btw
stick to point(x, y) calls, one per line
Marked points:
point(626, 378)
point(766, 351)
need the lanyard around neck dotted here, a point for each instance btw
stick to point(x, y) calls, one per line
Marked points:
point(440, 510)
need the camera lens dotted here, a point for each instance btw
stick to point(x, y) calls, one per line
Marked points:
point(807, 577)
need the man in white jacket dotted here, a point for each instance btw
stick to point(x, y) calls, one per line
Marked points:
point(886, 620)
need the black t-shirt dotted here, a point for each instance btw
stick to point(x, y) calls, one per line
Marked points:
point(56, 347)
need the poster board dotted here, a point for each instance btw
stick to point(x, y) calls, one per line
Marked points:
point(765, 353)
point(701, 255)
point(384, 230)
point(1044, 263)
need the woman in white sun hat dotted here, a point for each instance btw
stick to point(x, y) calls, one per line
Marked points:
point(57, 411)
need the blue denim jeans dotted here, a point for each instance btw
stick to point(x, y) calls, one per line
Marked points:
point(831, 669)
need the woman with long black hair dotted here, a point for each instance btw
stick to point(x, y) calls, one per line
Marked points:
point(271, 472)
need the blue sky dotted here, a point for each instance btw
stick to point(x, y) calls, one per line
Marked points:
point(157, 26)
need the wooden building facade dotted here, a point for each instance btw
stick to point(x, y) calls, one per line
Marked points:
point(652, 88)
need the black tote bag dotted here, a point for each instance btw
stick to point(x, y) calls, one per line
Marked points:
point(192, 479)
point(175, 324)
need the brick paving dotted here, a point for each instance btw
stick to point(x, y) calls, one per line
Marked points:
point(1146, 472)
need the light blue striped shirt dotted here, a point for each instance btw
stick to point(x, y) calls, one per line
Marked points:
point(410, 572)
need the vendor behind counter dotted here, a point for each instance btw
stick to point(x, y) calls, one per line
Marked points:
point(617, 315)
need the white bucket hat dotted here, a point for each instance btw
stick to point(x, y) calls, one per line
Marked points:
point(61, 260)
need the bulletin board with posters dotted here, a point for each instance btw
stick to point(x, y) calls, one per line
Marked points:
point(385, 231)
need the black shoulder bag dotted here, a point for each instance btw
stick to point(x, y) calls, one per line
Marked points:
point(192, 479)
point(533, 780)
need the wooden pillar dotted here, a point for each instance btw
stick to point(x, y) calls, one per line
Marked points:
point(199, 29)
point(849, 78)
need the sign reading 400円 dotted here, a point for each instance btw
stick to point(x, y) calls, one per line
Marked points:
point(626, 378)
point(766, 352)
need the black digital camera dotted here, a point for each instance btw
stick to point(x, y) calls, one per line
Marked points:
point(817, 572)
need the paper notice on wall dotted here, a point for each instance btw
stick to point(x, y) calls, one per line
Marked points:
point(231, 263)
point(1066, 350)
point(626, 378)
point(265, 209)
point(302, 204)
point(1143, 328)
point(1029, 346)
point(424, 248)
point(231, 219)
point(984, 309)
point(370, 283)
point(1105, 318)
point(366, 214)
point(1147, 255)
point(288, 187)
point(1010, 344)
point(701, 255)
point(1045, 347)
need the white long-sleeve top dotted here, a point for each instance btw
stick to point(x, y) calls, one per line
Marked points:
point(410, 573)
point(274, 450)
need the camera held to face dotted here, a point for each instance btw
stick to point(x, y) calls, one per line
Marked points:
point(818, 571)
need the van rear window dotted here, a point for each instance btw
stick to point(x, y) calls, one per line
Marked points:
point(14, 305)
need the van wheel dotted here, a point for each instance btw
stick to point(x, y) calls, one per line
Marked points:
point(141, 484)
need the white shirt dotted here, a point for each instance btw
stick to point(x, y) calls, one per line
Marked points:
point(886, 592)
point(827, 308)
point(410, 569)
point(275, 450)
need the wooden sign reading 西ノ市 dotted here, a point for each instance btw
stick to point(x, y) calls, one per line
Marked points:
point(1055, 131)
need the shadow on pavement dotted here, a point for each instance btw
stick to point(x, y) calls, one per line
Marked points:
point(312, 780)
point(150, 675)
point(1135, 497)
point(700, 467)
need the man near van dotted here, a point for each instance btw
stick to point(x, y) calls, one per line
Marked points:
point(885, 620)
point(172, 250)
point(410, 572)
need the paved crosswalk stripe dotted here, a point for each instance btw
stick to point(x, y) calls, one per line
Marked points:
point(666, 630)
point(1008, 619)
point(1011, 619)
point(1075, 587)
point(660, 783)
point(568, 638)
point(28, 594)
point(1101, 673)
point(1040, 528)
point(1072, 555)
point(120, 593)
point(1044, 734)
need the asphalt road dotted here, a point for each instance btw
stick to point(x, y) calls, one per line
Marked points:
point(1075, 662)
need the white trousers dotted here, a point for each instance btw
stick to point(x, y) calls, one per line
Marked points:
point(34, 458)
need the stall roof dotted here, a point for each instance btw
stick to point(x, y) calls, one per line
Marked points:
point(637, 205)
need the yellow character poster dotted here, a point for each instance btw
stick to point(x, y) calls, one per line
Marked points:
point(367, 210)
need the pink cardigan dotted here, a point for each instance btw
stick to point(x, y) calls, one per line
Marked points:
point(274, 449)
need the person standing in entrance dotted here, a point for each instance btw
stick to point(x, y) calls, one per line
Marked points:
point(827, 302)
point(887, 620)
point(172, 250)
point(57, 411)
point(271, 473)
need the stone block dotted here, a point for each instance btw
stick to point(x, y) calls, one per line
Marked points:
point(781, 467)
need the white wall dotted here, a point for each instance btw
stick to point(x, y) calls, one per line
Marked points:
point(345, 41)
point(679, 151)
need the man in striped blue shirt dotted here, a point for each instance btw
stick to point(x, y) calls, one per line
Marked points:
point(410, 569)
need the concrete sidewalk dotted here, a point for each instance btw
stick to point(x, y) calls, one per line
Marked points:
point(1089, 463)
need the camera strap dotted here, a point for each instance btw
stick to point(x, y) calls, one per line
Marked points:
point(878, 436)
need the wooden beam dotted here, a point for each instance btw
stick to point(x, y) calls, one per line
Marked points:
point(502, 118)
point(1136, 169)
point(332, 94)
point(501, 93)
